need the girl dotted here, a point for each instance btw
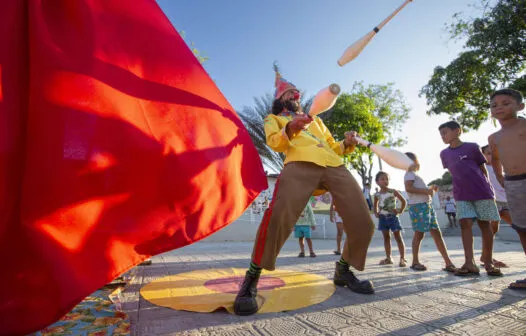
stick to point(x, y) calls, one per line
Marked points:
point(385, 210)
point(335, 218)
point(423, 216)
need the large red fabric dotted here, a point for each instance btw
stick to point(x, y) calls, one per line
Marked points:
point(115, 146)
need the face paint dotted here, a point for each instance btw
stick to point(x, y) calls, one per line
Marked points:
point(296, 95)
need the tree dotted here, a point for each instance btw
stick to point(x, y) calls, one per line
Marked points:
point(390, 107)
point(192, 47)
point(377, 112)
point(494, 57)
point(352, 111)
point(253, 117)
point(446, 179)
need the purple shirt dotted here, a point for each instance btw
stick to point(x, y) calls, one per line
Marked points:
point(463, 162)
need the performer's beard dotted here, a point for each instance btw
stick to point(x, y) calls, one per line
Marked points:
point(292, 105)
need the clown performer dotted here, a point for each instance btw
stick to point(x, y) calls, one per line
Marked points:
point(313, 165)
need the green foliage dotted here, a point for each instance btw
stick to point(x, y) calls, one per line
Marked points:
point(446, 179)
point(494, 58)
point(192, 47)
point(376, 112)
point(389, 106)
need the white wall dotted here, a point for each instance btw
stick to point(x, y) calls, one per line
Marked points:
point(245, 227)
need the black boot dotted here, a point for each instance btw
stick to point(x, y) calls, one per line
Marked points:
point(246, 303)
point(344, 277)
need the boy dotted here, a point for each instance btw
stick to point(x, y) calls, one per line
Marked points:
point(302, 230)
point(500, 198)
point(507, 149)
point(451, 212)
point(473, 194)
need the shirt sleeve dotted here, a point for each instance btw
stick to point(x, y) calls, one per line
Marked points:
point(409, 176)
point(276, 136)
point(309, 215)
point(337, 146)
point(443, 160)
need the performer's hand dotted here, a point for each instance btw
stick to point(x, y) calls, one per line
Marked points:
point(299, 122)
point(313, 228)
point(350, 138)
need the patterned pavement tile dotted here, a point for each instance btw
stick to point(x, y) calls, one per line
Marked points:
point(406, 302)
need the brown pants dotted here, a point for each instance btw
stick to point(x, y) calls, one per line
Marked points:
point(293, 189)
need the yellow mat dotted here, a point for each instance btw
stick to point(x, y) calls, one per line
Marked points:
point(205, 291)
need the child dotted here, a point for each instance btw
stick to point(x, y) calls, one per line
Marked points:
point(474, 196)
point(500, 198)
point(385, 210)
point(335, 218)
point(507, 149)
point(367, 195)
point(302, 229)
point(451, 212)
point(423, 216)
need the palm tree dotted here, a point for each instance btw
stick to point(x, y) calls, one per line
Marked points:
point(253, 117)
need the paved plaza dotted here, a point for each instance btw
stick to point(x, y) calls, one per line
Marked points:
point(406, 302)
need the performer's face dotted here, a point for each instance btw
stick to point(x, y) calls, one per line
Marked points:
point(291, 100)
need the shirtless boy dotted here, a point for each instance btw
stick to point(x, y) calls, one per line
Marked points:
point(509, 158)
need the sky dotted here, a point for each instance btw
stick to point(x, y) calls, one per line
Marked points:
point(243, 38)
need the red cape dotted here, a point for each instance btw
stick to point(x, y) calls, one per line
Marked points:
point(115, 146)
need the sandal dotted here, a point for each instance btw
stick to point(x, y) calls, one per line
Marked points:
point(403, 263)
point(493, 271)
point(386, 261)
point(337, 252)
point(519, 284)
point(301, 255)
point(464, 271)
point(418, 267)
point(313, 255)
point(450, 268)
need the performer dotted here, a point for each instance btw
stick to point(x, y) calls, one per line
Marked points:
point(313, 163)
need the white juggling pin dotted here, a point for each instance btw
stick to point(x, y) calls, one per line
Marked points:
point(324, 99)
point(356, 48)
point(392, 157)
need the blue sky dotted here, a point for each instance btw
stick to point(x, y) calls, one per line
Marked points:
point(243, 38)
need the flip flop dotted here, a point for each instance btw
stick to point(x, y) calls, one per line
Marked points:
point(519, 285)
point(464, 271)
point(386, 262)
point(418, 267)
point(450, 268)
point(494, 271)
point(313, 255)
point(301, 255)
point(337, 252)
point(402, 263)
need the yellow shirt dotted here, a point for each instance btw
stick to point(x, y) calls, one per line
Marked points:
point(315, 144)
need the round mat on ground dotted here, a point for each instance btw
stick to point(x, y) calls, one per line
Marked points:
point(205, 291)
